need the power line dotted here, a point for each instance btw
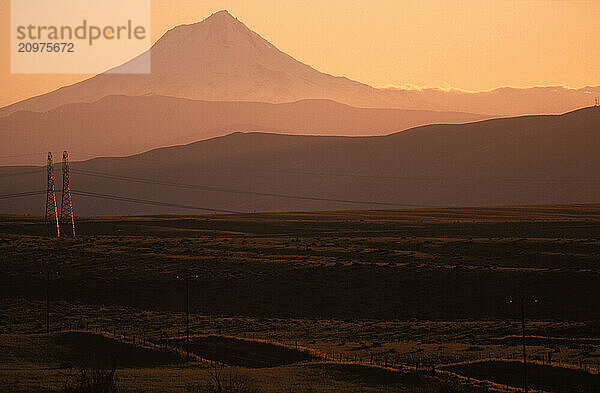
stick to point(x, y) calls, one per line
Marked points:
point(123, 199)
point(22, 194)
point(353, 175)
point(40, 170)
point(236, 191)
point(245, 192)
point(23, 155)
point(148, 202)
point(390, 177)
point(431, 179)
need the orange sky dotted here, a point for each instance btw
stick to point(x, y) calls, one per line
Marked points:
point(473, 45)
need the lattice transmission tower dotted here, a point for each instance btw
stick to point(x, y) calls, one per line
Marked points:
point(66, 206)
point(51, 208)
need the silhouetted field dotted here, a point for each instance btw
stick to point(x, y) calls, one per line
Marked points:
point(546, 378)
point(39, 363)
point(239, 352)
point(444, 264)
point(424, 286)
point(77, 349)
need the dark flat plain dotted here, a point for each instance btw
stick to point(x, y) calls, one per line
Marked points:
point(435, 264)
point(427, 285)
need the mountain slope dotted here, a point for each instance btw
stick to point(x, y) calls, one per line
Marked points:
point(523, 160)
point(122, 125)
point(220, 59)
point(216, 59)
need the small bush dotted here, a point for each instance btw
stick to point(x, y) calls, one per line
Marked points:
point(92, 381)
point(223, 381)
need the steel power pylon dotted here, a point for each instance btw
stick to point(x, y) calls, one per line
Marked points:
point(51, 208)
point(66, 206)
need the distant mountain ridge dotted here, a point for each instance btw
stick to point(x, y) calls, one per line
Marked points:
point(509, 101)
point(509, 161)
point(221, 59)
point(217, 59)
point(124, 125)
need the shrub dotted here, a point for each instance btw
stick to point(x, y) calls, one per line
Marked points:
point(223, 381)
point(92, 381)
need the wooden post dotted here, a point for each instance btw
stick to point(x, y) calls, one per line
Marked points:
point(525, 388)
point(187, 318)
point(48, 302)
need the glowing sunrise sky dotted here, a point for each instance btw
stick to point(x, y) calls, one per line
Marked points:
point(472, 45)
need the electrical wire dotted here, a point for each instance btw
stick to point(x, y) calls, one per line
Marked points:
point(40, 170)
point(390, 177)
point(148, 202)
point(236, 191)
point(22, 194)
point(23, 155)
point(354, 175)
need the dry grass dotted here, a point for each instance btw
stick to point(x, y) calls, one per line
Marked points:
point(407, 286)
point(78, 350)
